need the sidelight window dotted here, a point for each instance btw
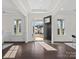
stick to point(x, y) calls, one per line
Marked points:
point(60, 27)
point(17, 26)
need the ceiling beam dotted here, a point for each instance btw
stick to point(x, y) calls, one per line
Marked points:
point(56, 8)
point(24, 9)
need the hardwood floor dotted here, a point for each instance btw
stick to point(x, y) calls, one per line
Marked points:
point(33, 50)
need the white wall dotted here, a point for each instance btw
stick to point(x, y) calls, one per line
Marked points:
point(70, 25)
point(7, 27)
point(29, 30)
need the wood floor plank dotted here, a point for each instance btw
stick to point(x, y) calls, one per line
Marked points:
point(13, 54)
point(33, 50)
point(7, 54)
point(47, 47)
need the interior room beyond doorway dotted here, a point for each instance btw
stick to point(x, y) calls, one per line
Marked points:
point(38, 30)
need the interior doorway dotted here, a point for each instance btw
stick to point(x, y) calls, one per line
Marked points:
point(38, 30)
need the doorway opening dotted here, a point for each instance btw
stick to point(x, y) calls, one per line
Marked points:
point(38, 30)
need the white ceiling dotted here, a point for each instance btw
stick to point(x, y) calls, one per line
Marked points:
point(69, 5)
point(8, 7)
point(38, 5)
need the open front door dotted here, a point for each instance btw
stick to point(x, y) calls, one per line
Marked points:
point(47, 28)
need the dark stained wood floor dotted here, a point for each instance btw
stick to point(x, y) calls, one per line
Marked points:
point(33, 50)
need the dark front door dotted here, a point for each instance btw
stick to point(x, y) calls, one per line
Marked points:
point(47, 27)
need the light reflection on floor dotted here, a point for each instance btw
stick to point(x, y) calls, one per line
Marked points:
point(38, 37)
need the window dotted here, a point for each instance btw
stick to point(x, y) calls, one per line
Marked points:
point(60, 25)
point(17, 26)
